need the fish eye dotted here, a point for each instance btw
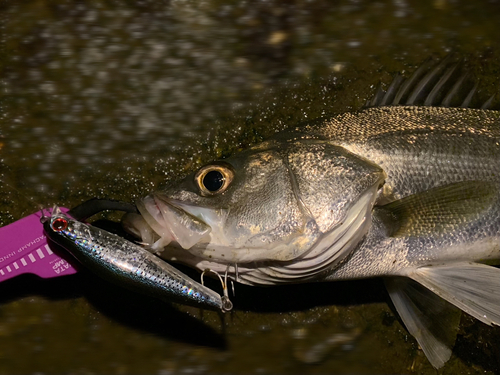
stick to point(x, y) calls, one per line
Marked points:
point(214, 179)
point(59, 224)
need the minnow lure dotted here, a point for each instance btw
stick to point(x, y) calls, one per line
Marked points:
point(125, 263)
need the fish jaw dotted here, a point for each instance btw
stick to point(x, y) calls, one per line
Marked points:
point(200, 231)
point(168, 222)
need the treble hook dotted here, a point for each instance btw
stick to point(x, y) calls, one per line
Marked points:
point(227, 305)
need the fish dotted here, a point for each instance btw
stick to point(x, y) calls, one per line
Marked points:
point(406, 189)
point(127, 264)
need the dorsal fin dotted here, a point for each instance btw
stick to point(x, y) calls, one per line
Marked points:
point(439, 84)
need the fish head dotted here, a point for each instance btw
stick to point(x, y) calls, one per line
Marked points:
point(272, 202)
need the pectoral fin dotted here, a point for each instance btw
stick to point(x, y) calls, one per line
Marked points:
point(471, 287)
point(439, 210)
point(429, 318)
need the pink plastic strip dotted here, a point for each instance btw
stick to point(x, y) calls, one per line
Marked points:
point(24, 249)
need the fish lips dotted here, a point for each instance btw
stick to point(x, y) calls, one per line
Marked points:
point(171, 222)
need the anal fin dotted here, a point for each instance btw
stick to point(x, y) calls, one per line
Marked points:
point(430, 319)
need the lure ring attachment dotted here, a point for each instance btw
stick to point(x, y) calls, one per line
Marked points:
point(227, 305)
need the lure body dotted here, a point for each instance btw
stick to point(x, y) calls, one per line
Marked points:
point(125, 263)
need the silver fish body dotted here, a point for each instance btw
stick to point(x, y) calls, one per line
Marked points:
point(408, 193)
point(127, 264)
point(424, 149)
point(421, 149)
point(301, 202)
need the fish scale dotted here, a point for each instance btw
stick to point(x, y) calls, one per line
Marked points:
point(448, 144)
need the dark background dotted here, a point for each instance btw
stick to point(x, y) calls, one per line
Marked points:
point(113, 98)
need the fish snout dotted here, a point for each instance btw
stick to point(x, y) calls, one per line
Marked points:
point(161, 222)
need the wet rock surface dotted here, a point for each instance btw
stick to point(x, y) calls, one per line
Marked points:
point(111, 99)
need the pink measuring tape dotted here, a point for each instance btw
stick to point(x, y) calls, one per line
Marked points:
point(24, 249)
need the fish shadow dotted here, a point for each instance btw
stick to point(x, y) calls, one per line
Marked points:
point(128, 308)
point(298, 297)
point(162, 319)
point(158, 318)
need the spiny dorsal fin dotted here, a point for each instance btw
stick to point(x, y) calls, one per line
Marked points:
point(439, 210)
point(443, 84)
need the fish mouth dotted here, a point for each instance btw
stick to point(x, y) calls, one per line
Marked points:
point(194, 233)
point(162, 221)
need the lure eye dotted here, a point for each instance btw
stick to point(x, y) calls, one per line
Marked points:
point(59, 224)
point(214, 179)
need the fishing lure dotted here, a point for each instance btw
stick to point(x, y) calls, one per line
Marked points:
point(125, 263)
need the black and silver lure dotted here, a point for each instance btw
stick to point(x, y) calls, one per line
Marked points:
point(125, 263)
